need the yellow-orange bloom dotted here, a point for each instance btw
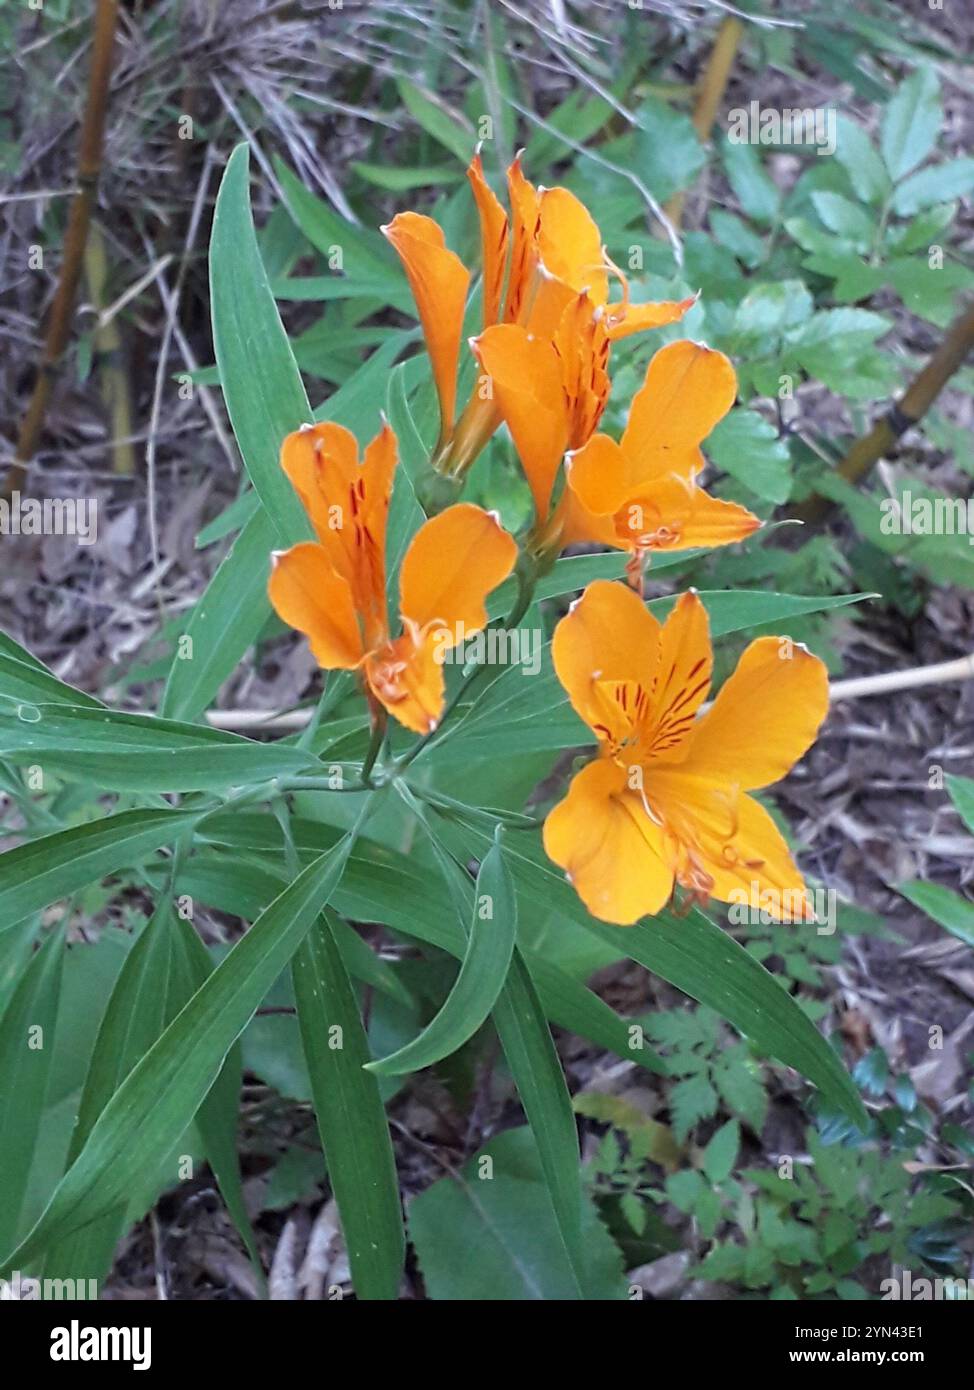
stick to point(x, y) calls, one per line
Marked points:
point(640, 494)
point(333, 589)
point(551, 252)
point(666, 802)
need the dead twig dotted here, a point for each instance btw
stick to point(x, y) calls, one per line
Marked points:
point(89, 169)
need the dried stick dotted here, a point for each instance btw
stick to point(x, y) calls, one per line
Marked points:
point(903, 414)
point(89, 169)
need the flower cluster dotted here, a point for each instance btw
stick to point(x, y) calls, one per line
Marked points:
point(666, 802)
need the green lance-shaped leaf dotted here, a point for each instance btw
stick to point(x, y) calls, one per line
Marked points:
point(705, 962)
point(51, 867)
point(26, 1050)
point(261, 382)
point(138, 752)
point(163, 1092)
point(540, 1081)
point(132, 1022)
point(217, 1116)
point(351, 1117)
point(490, 944)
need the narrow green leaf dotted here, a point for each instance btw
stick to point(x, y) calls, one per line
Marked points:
point(261, 382)
point(51, 867)
point(26, 681)
point(541, 1085)
point(26, 1051)
point(139, 752)
point(490, 943)
point(132, 1022)
point(697, 957)
point(351, 1118)
point(443, 124)
point(217, 1117)
point(947, 908)
point(160, 1096)
point(961, 792)
point(224, 623)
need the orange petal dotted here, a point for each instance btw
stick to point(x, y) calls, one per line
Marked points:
point(624, 319)
point(439, 282)
point(526, 380)
point(309, 595)
point(320, 461)
point(406, 677)
point(452, 564)
point(609, 848)
point(583, 347)
point(688, 388)
point(348, 505)
point(789, 688)
point(602, 476)
point(682, 677)
point(605, 650)
point(673, 514)
point(524, 251)
point(493, 239)
point(570, 244)
point(728, 844)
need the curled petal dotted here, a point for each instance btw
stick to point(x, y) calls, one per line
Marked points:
point(493, 238)
point(526, 382)
point(627, 318)
point(524, 248)
point(348, 504)
point(439, 282)
point(682, 677)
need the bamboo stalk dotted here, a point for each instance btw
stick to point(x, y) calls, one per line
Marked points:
point(109, 355)
point(62, 309)
point(710, 93)
point(903, 415)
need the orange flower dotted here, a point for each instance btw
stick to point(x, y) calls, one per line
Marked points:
point(640, 494)
point(552, 251)
point(666, 800)
point(333, 589)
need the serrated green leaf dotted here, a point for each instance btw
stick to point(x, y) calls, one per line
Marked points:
point(912, 121)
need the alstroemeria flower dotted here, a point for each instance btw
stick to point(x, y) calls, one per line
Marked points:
point(551, 250)
point(666, 801)
point(641, 494)
point(333, 589)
